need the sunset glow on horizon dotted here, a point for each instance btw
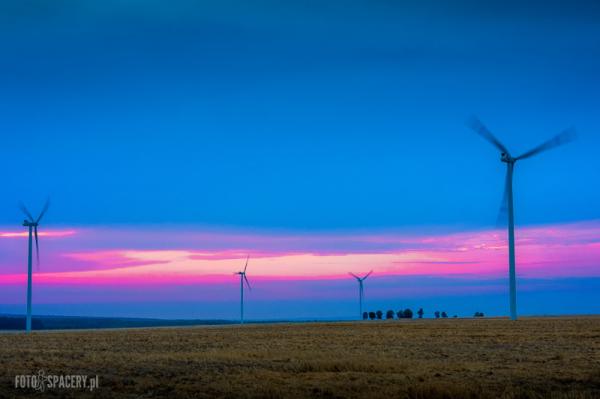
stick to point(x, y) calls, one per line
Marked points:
point(116, 260)
point(68, 254)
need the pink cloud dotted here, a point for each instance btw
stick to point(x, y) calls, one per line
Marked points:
point(24, 234)
point(155, 256)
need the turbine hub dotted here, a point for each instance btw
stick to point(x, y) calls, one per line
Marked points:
point(507, 158)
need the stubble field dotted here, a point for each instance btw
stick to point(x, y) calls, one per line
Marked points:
point(486, 358)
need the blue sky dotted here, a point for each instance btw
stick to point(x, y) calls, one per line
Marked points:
point(298, 115)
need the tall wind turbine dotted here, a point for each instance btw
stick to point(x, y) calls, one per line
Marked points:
point(361, 289)
point(507, 202)
point(242, 279)
point(32, 224)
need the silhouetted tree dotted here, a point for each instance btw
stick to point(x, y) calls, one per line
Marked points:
point(400, 314)
point(408, 314)
point(389, 314)
point(444, 315)
point(437, 314)
point(365, 315)
point(372, 315)
point(379, 314)
point(455, 316)
point(420, 313)
point(478, 314)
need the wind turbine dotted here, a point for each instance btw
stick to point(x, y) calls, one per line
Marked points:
point(361, 290)
point(242, 279)
point(507, 202)
point(32, 224)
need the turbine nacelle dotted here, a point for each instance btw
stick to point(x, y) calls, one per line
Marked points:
point(505, 157)
point(361, 279)
point(28, 223)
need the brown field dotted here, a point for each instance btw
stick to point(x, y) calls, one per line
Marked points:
point(487, 358)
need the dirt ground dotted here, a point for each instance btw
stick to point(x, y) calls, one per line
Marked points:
point(452, 358)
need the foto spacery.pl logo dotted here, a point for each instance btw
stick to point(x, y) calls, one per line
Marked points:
point(42, 381)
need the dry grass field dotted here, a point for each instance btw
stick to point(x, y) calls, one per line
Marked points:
point(486, 358)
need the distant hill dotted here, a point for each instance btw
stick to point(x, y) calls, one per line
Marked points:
point(17, 322)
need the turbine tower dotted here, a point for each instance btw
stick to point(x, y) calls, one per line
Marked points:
point(32, 224)
point(242, 279)
point(361, 290)
point(507, 202)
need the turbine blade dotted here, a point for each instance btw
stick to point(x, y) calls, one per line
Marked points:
point(502, 219)
point(354, 275)
point(245, 267)
point(481, 130)
point(25, 211)
point(563, 137)
point(247, 282)
point(44, 209)
point(368, 274)
point(37, 248)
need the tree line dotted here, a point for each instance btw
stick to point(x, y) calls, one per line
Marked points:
point(407, 314)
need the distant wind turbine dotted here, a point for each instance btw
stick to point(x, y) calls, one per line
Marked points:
point(242, 279)
point(507, 201)
point(361, 290)
point(32, 224)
